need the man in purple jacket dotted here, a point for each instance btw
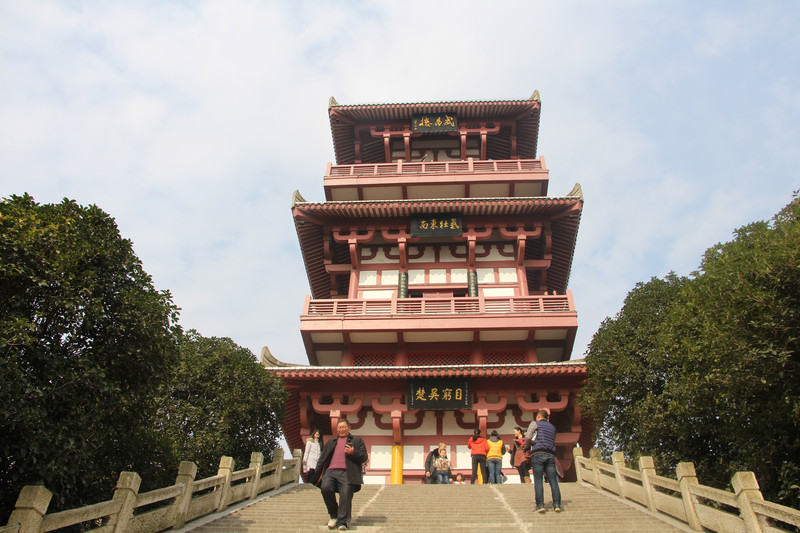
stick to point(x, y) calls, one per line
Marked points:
point(339, 470)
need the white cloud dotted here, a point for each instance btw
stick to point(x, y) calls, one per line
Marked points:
point(192, 123)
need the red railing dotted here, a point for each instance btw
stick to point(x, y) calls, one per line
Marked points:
point(440, 306)
point(435, 167)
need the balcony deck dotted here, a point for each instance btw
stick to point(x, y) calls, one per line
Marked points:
point(331, 327)
point(439, 306)
point(436, 179)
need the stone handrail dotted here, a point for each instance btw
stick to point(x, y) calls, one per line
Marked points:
point(702, 508)
point(160, 509)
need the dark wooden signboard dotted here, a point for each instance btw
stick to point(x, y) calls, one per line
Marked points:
point(436, 225)
point(434, 123)
point(445, 393)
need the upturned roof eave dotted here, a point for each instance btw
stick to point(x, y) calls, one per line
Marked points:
point(404, 372)
point(344, 117)
point(310, 216)
point(517, 200)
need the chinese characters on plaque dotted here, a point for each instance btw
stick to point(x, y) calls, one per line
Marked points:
point(436, 224)
point(434, 123)
point(450, 393)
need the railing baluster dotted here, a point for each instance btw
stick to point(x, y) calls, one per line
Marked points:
point(452, 305)
point(407, 167)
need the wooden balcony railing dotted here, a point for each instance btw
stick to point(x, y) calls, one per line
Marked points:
point(440, 306)
point(435, 167)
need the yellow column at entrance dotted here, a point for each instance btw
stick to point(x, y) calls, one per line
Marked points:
point(397, 464)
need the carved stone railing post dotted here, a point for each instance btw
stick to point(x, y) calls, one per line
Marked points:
point(226, 465)
point(30, 508)
point(277, 461)
point(187, 472)
point(594, 455)
point(647, 468)
point(127, 489)
point(687, 476)
point(297, 454)
point(577, 455)
point(746, 488)
point(618, 460)
point(256, 462)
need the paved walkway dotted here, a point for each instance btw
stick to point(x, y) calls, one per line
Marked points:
point(445, 508)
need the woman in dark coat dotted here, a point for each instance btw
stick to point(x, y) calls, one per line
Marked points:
point(519, 458)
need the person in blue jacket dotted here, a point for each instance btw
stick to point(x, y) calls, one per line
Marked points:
point(541, 440)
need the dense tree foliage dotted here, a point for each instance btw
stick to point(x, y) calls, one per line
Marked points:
point(219, 401)
point(707, 369)
point(84, 339)
point(96, 376)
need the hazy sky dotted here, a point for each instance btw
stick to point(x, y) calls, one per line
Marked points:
point(192, 122)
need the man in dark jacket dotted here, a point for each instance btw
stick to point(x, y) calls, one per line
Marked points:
point(543, 459)
point(339, 470)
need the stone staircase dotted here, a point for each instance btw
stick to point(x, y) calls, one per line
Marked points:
point(445, 508)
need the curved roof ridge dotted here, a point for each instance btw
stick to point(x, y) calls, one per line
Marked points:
point(572, 362)
point(533, 98)
point(571, 196)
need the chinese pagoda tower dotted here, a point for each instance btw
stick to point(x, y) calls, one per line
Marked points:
point(438, 268)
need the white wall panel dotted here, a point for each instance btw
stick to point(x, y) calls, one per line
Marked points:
point(367, 278)
point(458, 275)
point(389, 277)
point(507, 275)
point(416, 277)
point(413, 457)
point(485, 276)
point(438, 276)
point(380, 456)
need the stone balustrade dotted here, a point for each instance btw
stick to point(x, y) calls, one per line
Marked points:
point(700, 507)
point(165, 508)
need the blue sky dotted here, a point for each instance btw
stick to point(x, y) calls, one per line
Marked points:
point(183, 120)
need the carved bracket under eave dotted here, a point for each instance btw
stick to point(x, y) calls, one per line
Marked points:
point(337, 404)
point(492, 407)
point(396, 409)
point(543, 403)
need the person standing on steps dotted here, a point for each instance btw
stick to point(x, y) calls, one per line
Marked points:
point(478, 447)
point(340, 470)
point(543, 459)
point(311, 454)
point(519, 458)
point(494, 458)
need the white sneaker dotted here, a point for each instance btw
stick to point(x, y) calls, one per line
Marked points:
point(332, 523)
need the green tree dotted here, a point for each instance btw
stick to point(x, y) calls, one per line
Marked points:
point(629, 371)
point(219, 401)
point(84, 338)
point(737, 334)
point(725, 346)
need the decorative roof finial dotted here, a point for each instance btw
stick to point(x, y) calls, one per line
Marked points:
point(535, 96)
point(332, 102)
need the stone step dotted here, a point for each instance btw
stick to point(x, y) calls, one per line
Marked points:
point(445, 508)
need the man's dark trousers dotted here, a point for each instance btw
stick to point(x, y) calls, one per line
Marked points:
point(545, 463)
point(333, 481)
